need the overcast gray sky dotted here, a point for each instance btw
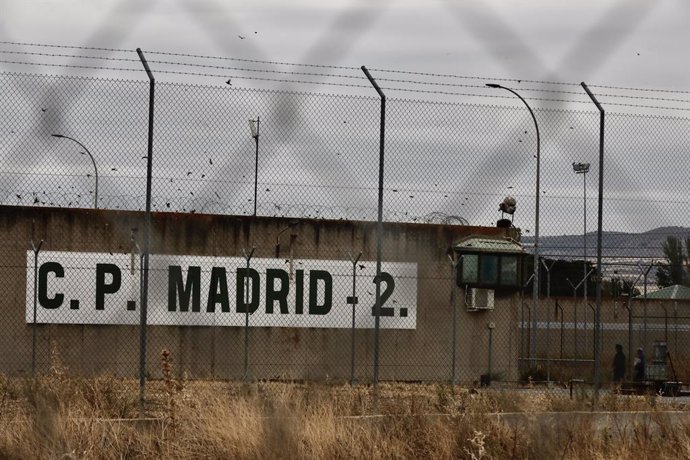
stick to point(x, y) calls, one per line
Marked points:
point(639, 43)
point(622, 43)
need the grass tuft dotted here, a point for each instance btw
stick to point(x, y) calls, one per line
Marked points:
point(58, 415)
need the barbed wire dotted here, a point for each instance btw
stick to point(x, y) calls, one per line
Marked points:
point(46, 45)
point(71, 66)
point(541, 90)
point(353, 77)
point(196, 205)
point(54, 55)
point(627, 88)
point(325, 66)
point(254, 61)
point(244, 69)
point(409, 90)
point(643, 106)
point(343, 76)
point(24, 194)
point(346, 85)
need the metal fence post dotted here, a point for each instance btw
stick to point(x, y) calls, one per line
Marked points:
point(558, 306)
point(248, 258)
point(594, 329)
point(36, 250)
point(453, 306)
point(379, 231)
point(147, 237)
point(576, 325)
point(353, 301)
point(645, 273)
point(548, 319)
point(630, 334)
point(597, 318)
point(491, 325)
point(522, 322)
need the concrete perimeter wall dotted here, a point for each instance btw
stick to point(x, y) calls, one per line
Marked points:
point(422, 353)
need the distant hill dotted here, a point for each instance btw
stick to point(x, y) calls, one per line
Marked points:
point(646, 245)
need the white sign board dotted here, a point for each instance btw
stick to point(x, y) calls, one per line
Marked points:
point(104, 288)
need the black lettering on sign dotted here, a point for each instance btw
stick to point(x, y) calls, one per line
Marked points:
point(299, 292)
point(314, 277)
point(389, 281)
point(103, 288)
point(184, 290)
point(277, 295)
point(253, 304)
point(218, 290)
point(43, 299)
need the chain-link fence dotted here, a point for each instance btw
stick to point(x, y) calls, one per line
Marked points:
point(288, 293)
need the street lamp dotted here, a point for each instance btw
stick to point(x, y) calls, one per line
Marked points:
point(95, 169)
point(583, 168)
point(254, 127)
point(535, 286)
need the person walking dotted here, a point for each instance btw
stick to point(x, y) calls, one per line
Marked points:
point(618, 364)
point(639, 365)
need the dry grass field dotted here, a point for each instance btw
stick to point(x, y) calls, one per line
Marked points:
point(66, 417)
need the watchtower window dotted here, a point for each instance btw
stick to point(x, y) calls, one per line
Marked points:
point(509, 270)
point(470, 269)
point(489, 263)
point(489, 266)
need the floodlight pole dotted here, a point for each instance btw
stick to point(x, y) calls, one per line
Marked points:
point(95, 168)
point(583, 168)
point(535, 286)
point(597, 320)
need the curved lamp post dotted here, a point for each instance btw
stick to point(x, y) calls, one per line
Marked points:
point(95, 169)
point(535, 286)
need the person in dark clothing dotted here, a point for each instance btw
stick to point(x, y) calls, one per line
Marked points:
point(639, 365)
point(618, 364)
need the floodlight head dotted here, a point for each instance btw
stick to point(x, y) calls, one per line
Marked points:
point(57, 135)
point(493, 85)
point(581, 168)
